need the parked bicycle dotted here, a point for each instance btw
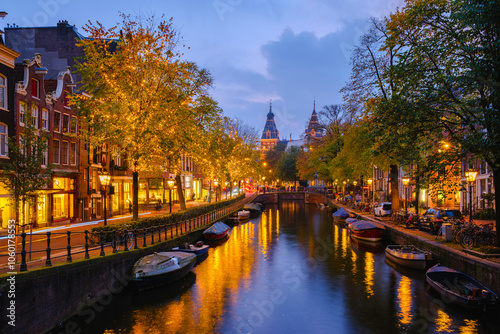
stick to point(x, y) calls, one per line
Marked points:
point(478, 236)
point(120, 239)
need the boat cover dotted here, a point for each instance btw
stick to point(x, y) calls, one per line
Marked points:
point(341, 214)
point(362, 225)
point(217, 228)
point(252, 206)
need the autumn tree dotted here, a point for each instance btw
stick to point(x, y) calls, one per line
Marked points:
point(371, 83)
point(27, 170)
point(140, 96)
point(449, 74)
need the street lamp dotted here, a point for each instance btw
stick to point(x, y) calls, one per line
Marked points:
point(216, 182)
point(264, 183)
point(105, 181)
point(170, 183)
point(470, 176)
point(406, 180)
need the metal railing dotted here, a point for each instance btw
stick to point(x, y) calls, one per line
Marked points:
point(88, 244)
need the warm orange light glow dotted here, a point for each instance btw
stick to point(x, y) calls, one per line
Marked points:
point(405, 180)
point(470, 175)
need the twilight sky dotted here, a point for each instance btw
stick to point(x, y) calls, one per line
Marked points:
point(290, 51)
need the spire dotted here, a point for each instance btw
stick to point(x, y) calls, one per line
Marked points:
point(270, 114)
point(270, 130)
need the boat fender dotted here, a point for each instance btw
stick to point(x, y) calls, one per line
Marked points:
point(199, 244)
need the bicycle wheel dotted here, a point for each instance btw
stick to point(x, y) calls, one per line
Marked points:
point(130, 241)
point(115, 244)
point(467, 241)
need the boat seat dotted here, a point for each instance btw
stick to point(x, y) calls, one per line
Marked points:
point(405, 249)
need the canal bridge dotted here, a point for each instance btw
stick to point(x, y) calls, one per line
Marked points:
point(277, 197)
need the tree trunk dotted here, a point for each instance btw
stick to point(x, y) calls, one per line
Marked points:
point(394, 173)
point(417, 192)
point(135, 195)
point(182, 200)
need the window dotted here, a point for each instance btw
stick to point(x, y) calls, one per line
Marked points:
point(35, 88)
point(22, 112)
point(34, 116)
point(64, 153)
point(65, 124)
point(66, 99)
point(3, 92)
point(44, 161)
point(4, 149)
point(72, 154)
point(45, 119)
point(57, 121)
point(73, 125)
point(56, 151)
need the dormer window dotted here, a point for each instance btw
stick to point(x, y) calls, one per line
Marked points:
point(35, 88)
point(65, 96)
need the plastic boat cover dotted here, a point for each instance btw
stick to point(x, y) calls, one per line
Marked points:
point(362, 225)
point(217, 228)
point(341, 213)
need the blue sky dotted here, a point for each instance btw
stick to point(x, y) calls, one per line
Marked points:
point(290, 51)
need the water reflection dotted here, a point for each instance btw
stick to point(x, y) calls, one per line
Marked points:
point(291, 270)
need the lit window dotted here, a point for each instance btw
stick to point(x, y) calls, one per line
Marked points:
point(4, 149)
point(3, 92)
point(45, 119)
point(57, 121)
point(56, 149)
point(35, 88)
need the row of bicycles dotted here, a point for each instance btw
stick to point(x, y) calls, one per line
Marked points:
point(470, 235)
point(463, 232)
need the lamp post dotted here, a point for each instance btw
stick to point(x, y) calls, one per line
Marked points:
point(216, 182)
point(470, 176)
point(264, 183)
point(170, 183)
point(406, 180)
point(105, 181)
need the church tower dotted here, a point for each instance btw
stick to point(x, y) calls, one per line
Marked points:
point(270, 135)
point(314, 130)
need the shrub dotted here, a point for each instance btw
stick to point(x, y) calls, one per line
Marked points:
point(166, 219)
point(485, 214)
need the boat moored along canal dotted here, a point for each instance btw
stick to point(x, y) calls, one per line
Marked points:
point(408, 256)
point(162, 268)
point(460, 288)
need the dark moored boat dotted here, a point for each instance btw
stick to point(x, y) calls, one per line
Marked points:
point(365, 230)
point(217, 231)
point(254, 208)
point(460, 288)
point(340, 215)
point(408, 256)
point(162, 268)
point(197, 249)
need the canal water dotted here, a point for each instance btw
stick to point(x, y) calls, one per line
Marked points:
point(292, 270)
